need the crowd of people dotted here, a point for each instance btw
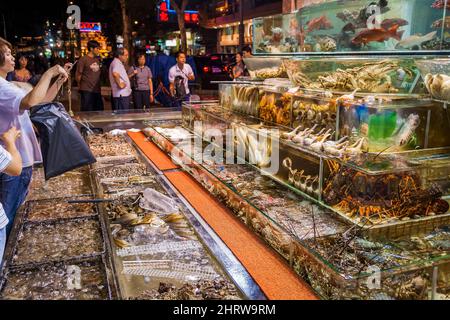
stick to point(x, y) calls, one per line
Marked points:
point(130, 85)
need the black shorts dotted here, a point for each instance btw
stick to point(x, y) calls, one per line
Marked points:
point(91, 101)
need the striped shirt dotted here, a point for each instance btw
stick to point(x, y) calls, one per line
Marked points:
point(5, 160)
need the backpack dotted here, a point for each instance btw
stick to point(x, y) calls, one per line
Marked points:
point(180, 88)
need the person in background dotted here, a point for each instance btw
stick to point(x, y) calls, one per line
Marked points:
point(22, 74)
point(247, 52)
point(11, 164)
point(88, 77)
point(120, 81)
point(179, 77)
point(143, 84)
point(239, 70)
point(14, 105)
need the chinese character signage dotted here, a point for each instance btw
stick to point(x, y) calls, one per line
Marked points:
point(167, 14)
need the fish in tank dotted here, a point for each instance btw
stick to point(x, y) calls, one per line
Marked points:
point(357, 25)
point(391, 127)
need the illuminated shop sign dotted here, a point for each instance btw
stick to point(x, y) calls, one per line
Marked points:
point(90, 27)
point(167, 14)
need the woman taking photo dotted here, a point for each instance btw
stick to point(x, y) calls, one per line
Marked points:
point(14, 106)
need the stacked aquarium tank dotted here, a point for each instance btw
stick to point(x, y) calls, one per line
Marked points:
point(359, 91)
point(357, 25)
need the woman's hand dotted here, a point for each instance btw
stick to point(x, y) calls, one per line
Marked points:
point(10, 137)
point(57, 71)
point(68, 67)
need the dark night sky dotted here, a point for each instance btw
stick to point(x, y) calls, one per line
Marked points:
point(28, 18)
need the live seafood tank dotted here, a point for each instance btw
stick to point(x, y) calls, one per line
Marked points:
point(389, 125)
point(332, 176)
point(356, 26)
point(359, 141)
point(364, 74)
point(336, 259)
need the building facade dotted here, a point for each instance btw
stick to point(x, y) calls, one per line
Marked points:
point(225, 16)
point(293, 5)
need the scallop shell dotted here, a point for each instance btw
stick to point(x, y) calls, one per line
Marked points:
point(436, 86)
point(428, 81)
point(127, 218)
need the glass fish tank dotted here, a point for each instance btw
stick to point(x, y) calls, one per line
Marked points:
point(343, 75)
point(356, 25)
point(389, 126)
point(436, 76)
point(361, 74)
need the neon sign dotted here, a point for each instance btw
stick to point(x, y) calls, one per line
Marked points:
point(163, 12)
point(90, 27)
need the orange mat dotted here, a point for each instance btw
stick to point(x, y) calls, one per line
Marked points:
point(270, 272)
point(151, 150)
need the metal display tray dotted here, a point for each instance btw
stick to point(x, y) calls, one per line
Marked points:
point(19, 223)
point(28, 205)
point(54, 223)
point(101, 260)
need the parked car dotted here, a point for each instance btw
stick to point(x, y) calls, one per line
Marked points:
point(215, 67)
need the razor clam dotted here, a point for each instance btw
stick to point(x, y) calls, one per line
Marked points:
point(292, 134)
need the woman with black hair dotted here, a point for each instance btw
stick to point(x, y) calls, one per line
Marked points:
point(239, 69)
point(141, 77)
point(22, 73)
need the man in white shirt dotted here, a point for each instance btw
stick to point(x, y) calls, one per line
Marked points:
point(180, 75)
point(14, 105)
point(11, 164)
point(120, 81)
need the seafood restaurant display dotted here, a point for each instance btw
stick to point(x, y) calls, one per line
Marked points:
point(355, 26)
point(347, 100)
